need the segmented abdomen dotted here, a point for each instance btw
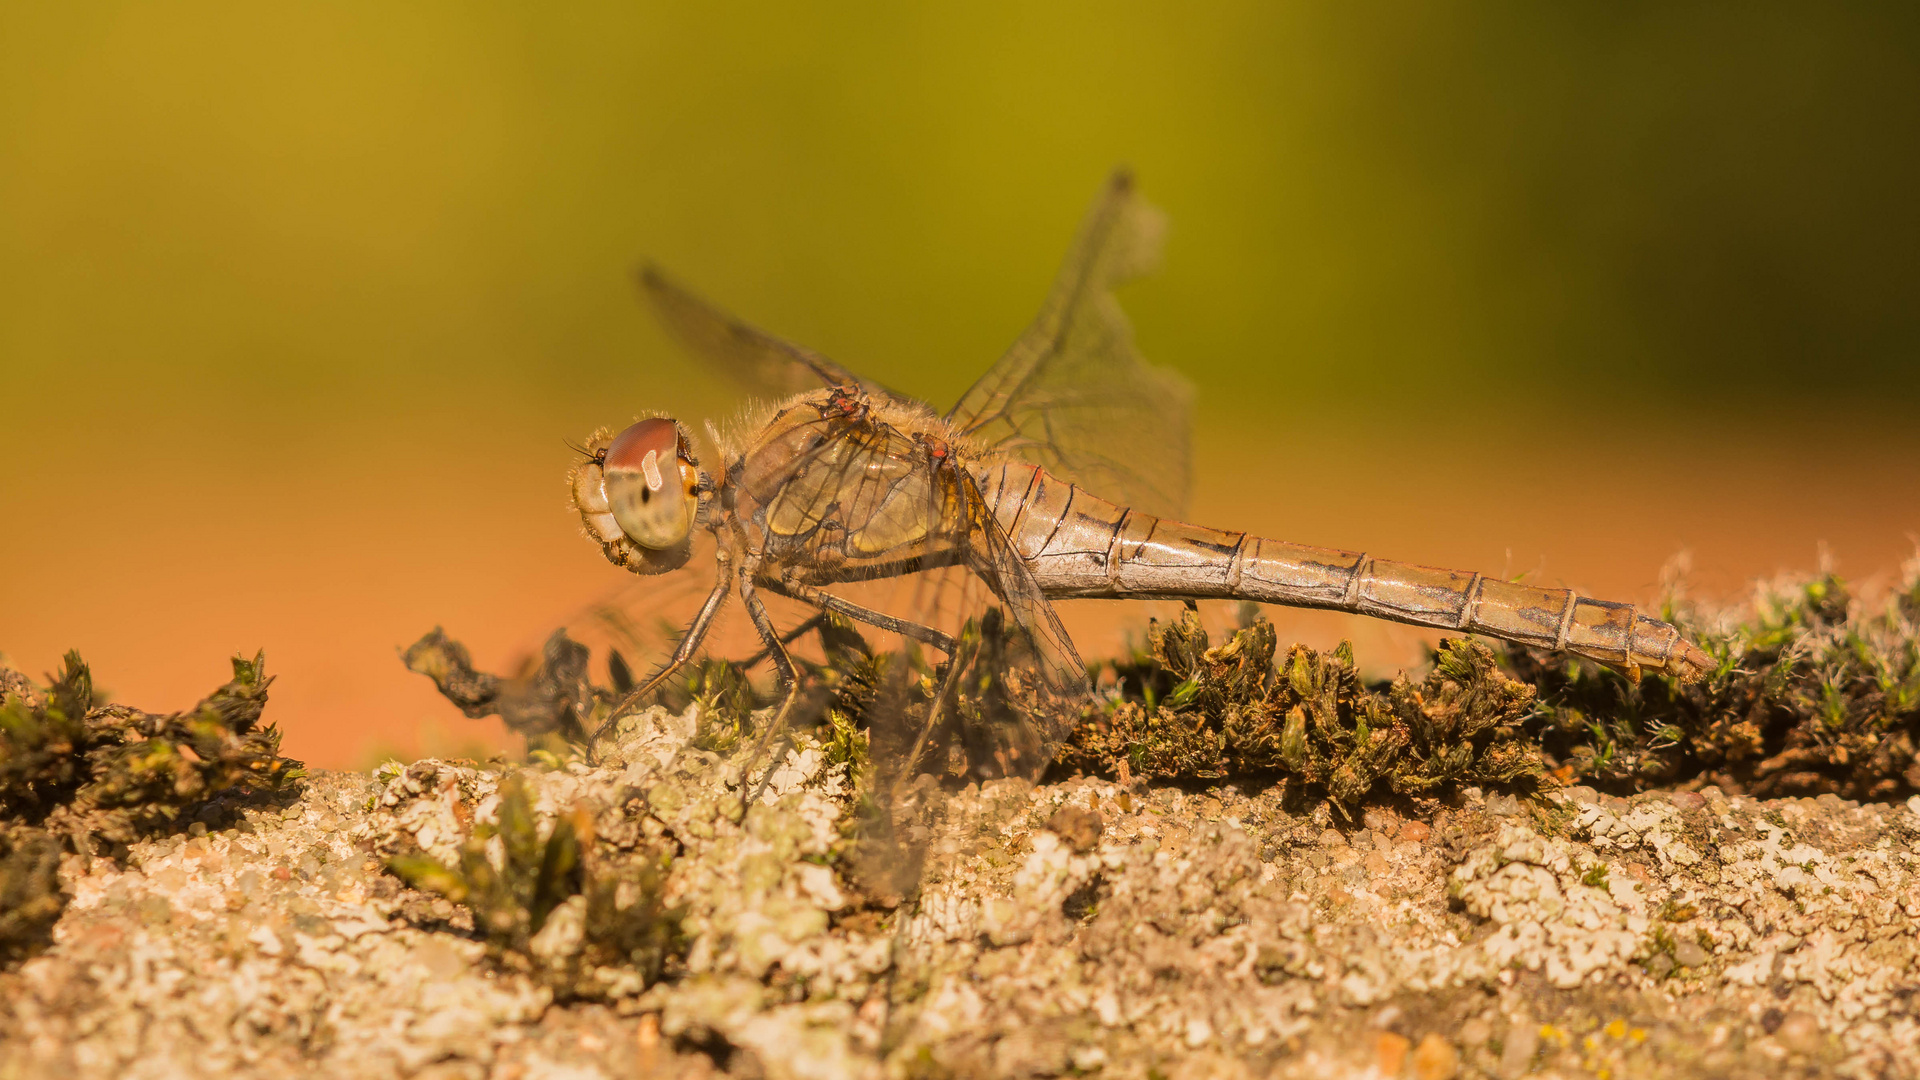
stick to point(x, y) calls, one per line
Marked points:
point(1080, 545)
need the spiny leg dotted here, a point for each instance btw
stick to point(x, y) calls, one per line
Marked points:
point(826, 601)
point(789, 637)
point(947, 685)
point(689, 643)
point(789, 686)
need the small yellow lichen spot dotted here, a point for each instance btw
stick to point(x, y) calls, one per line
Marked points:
point(1617, 1029)
point(1604, 1074)
point(1548, 1031)
point(1638, 1035)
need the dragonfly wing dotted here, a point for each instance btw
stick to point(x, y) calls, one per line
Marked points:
point(1022, 681)
point(1073, 395)
point(1007, 574)
point(833, 498)
point(831, 493)
point(760, 362)
point(845, 500)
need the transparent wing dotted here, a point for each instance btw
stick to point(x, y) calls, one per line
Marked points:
point(843, 501)
point(1016, 683)
point(1073, 395)
point(762, 364)
point(996, 561)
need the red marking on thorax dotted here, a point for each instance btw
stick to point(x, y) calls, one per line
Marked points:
point(842, 402)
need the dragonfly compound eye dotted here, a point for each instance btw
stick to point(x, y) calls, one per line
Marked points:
point(652, 489)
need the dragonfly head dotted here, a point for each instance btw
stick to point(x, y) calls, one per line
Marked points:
point(640, 492)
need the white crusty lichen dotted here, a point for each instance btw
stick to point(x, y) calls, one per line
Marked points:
point(1549, 914)
point(1077, 926)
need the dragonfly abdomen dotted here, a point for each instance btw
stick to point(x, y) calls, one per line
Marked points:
point(1080, 545)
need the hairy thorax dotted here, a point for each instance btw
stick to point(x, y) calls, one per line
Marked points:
point(838, 479)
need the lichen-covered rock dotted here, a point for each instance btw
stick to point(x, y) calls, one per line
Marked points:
point(80, 776)
point(1550, 914)
point(1216, 932)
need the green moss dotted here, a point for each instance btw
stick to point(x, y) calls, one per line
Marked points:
point(1813, 691)
point(31, 897)
point(76, 774)
point(512, 879)
point(43, 740)
point(847, 743)
point(1186, 711)
point(105, 775)
point(1190, 711)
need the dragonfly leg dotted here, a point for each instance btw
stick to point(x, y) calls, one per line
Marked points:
point(826, 601)
point(789, 637)
point(947, 685)
point(775, 648)
point(689, 643)
point(789, 685)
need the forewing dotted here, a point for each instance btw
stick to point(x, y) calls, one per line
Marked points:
point(828, 487)
point(762, 364)
point(1073, 395)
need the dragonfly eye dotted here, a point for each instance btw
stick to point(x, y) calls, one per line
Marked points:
point(652, 487)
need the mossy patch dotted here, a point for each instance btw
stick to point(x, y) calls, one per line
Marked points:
point(556, 905)
point(1815, 690)
point(1189, 710)
point(79, 775)
point(105, 775)
point(31, 898)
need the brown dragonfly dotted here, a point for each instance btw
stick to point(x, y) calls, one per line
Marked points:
point(1057, 475)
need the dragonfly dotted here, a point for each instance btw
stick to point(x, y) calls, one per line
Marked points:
point(1060, 474)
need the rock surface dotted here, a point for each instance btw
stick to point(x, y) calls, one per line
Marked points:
point(1072, 928)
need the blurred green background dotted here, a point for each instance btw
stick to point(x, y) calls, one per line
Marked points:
point(298, 301)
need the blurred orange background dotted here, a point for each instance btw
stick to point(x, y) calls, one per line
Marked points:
point(298, 302)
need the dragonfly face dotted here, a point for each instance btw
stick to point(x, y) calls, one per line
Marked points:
point(640, 493)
